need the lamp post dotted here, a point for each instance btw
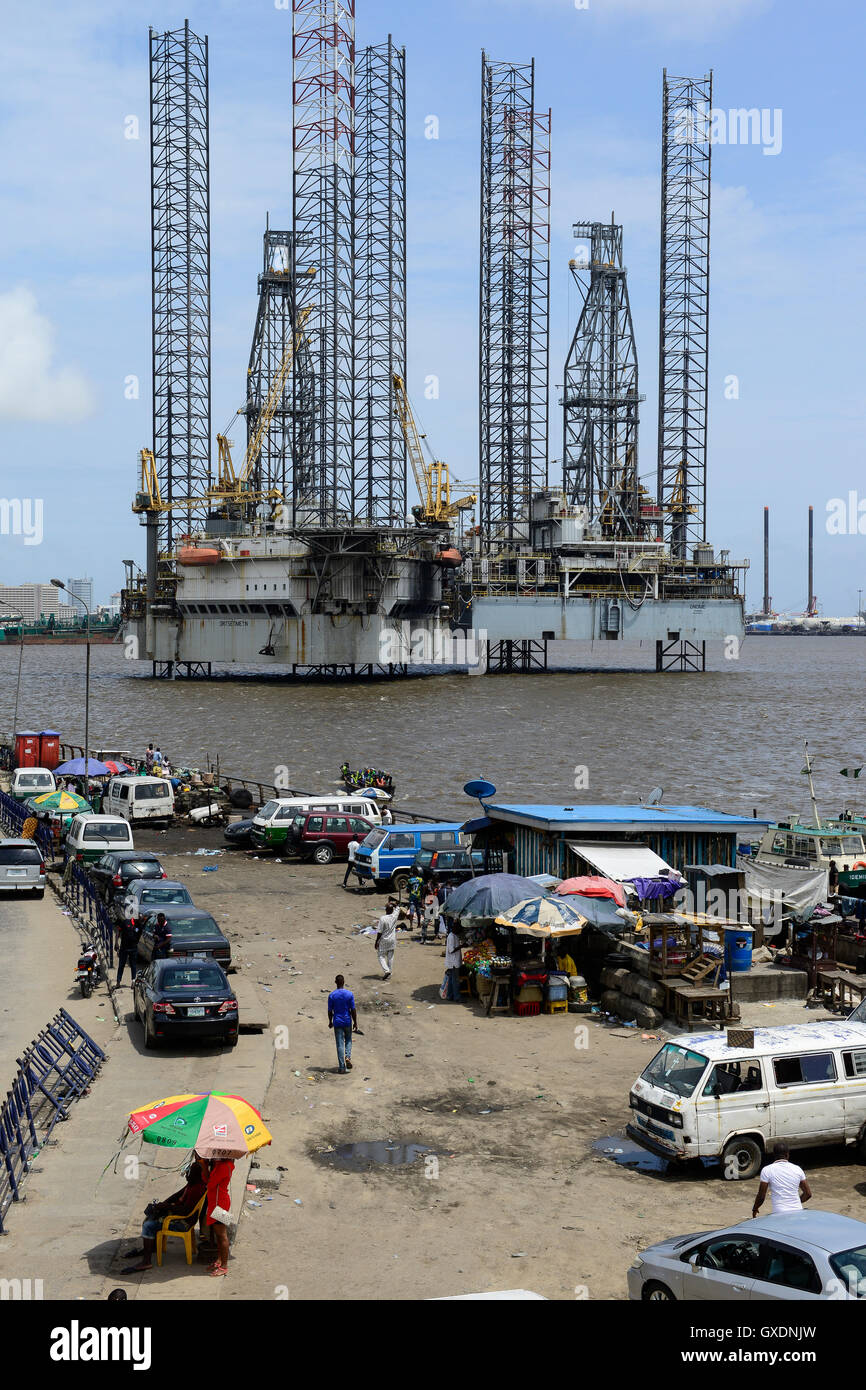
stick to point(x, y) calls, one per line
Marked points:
point(59, 585)
point(20, 655)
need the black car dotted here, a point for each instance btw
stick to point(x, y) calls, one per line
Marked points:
point(454, 865)
point(193, 933)
point(177, 1000)
point(238, 834)
point(113, 872)
point(146, 895)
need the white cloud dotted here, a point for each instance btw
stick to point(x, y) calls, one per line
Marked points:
point(32, 385)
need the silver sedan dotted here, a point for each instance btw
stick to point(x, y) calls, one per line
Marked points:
point(144, 895)
point(798, 1255)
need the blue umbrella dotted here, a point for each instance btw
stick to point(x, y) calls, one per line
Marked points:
point(75, 768)
point(602, 912)
point(489, 895)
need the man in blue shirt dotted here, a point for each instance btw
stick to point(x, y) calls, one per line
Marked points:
point(343, 1019)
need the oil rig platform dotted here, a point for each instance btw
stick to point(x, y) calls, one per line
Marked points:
point(308, 555)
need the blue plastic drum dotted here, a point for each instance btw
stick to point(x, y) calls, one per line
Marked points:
point(738, 949)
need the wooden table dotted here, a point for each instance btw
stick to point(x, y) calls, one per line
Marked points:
point(838, 988)
point(711, 1003)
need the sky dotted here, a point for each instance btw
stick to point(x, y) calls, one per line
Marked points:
point(787, 382)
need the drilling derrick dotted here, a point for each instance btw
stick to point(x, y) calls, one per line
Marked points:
point(684, 309)
point(323, 168)
point(284, 463)
point(600, 397)
point(380, 284)
point(180, 230)
point(514, 307)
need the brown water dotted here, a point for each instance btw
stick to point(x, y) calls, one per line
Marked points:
point(731, 738)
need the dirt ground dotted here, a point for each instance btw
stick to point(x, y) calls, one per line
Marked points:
point(509, 1108)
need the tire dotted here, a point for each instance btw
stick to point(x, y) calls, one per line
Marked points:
point(654, 1292)
point(742, 1159)
point(399, 881)
point(232, 1042)
point(39, 894)
point(149, 1037)
point(323, 854)
point(241, 799)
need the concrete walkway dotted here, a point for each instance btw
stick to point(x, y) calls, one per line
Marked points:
point(77, 1217)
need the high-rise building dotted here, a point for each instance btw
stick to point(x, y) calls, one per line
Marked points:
point(32, 601)
point(83, 589)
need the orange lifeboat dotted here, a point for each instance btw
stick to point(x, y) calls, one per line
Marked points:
point(451, 556)
point(198, 555)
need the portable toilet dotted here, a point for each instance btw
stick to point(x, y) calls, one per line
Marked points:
point(27, 749)
point(49, 748)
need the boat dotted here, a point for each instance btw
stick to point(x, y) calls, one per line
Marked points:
point(368, 777)
point(796, 845)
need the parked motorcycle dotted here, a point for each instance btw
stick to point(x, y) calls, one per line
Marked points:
point(87, 970)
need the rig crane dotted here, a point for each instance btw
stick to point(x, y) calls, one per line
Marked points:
point(431, 478)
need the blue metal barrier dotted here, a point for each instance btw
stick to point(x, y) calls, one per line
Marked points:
point(56, 1069)
point(81, 892)
point(12, 817)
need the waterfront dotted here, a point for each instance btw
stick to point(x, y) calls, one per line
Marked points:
point(731, 738)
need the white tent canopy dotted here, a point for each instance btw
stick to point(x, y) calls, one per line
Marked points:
point(623, 862)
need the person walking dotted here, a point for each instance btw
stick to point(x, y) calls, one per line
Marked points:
point(386, 936)
point(785, 1182)
point(350, 867)
point(453, 961)
point(127, 949)
point(415, 887)
point(344, 1020)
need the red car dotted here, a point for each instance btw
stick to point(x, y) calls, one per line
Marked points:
point(322, 838)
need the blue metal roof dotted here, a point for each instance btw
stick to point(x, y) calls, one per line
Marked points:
point(645, 817)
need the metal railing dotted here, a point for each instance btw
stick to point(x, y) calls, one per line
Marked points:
point(12, 817)
point(56, 1069)
point(90, 911)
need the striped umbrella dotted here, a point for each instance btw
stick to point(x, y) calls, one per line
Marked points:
point(543, 917)
point(215, 1125)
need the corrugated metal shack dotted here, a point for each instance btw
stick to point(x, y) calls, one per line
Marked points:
point(547, 839)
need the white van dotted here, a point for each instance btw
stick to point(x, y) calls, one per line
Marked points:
point(91, 835)
point(32, 781)
point(803, 1085)
point(271, 825)
point(140, 798)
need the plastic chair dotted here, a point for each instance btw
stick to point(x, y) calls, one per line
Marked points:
point(182, 1226)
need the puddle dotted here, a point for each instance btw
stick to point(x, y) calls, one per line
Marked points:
point(364, 1157)
point(629, 1154)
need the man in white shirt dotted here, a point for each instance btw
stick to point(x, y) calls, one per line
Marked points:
point(353, 845)
point(785, 1182)
point(386, 936)
point(453, 959)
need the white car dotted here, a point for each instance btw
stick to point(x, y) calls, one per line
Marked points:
point(31, 781)
point(799, 1255)
point(22, 868)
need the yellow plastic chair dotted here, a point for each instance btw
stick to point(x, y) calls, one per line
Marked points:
point(182, 1226)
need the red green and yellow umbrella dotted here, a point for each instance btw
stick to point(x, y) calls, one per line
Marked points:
point(215, 1125)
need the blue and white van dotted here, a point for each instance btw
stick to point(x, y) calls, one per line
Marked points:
point(387, 854)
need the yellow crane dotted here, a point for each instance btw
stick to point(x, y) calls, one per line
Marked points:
point(231, 487)
point(431, 478)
